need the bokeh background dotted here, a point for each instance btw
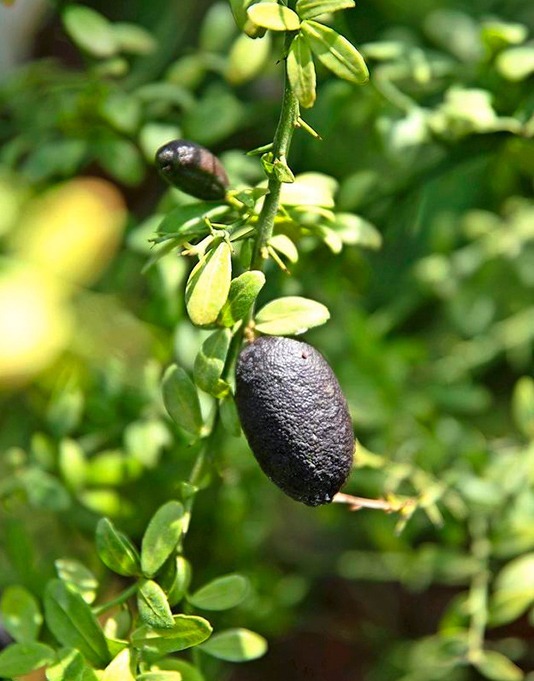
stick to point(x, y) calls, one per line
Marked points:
point(431, 335)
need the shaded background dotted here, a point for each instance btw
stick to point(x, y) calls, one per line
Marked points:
point(430, 336)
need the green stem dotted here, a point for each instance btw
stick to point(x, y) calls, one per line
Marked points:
point(282, 141)
point(119, 600)
point(478, 592)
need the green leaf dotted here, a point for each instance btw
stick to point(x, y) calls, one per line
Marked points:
point(180, 398)
point(161, 675)
point(301, 71)
point(516, 63)
point(121, 159)
point(335, 52)
point(72, 464)
point(495, 666)
point(355, 231)
point(91, 31)
point(229, 416)
point(69, 665)
point(310, 189)
point(309, 9)
point(181, 580)
point(514, 590)
point(210, 361)
point(120, 668)
point(20, 614)
point(22, 658)
point(290, 316)
point(523, 406)
point(71, 621)
point(221, 593)
point(154, 609)
point(116, 550)
point(208, 285)
point(186, 669)
point(188, 631)
point(246, 59)
point(242, 294)
point(133, 39)
point(236, 645)
point(161, 536)
point(273, 16)
point(44, 490)
point(78, 577)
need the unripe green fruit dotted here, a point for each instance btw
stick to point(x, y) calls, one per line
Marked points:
point(295, 418)
point(193, 169)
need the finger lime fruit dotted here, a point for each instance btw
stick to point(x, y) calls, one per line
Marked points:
point(193, 169)
point(295, 418)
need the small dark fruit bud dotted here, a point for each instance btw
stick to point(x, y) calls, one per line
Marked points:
point(295, 418)
point(193, 169)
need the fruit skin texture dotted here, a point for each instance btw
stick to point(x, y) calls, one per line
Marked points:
point(193, 169)
point(295, 418)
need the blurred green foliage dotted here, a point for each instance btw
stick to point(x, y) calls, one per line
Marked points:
point(431, 336)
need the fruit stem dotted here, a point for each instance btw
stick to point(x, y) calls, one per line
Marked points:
point(282, 140)
point(357, 503)
point(119, 600)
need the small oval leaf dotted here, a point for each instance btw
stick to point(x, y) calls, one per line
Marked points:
point(309, 9)
point(290, 316)
point(180, 398)
point(116, 550)
point(22, 658)
point(181, 580)
point(221, 593)
point(273, 16)
point(243, 292)
point(208, 285)
point(71, 621)
point(497, 667)
point(90, 30)
point(210, 361)
point(229, 416)
point(301, 71)
point(78, 577)
point(154, 609)
point(236, 645)
point(20, 614)
point(188, 631)
point(335, 52)
point(161, 536)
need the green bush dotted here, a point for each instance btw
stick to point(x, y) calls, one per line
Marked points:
point(135, 524)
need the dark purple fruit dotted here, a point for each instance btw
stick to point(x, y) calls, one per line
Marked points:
point(193, 169)
point(295, 418)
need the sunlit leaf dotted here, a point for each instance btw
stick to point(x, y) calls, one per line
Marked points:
point(90, 30)
point(208, 285)
point(188, 630)
point(116, 550)
point(273, 16)
point(20, 614)
point(78, 577)
point(309, 9)
point(221, 593)
point(301, 71)
point(335, 52)
point(154, 609)
point(161, 536)
point(290, 316)
point(497, 667)
point(236, 645)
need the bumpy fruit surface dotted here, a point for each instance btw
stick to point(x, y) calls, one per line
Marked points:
point(295, 418)
point(193, 169)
